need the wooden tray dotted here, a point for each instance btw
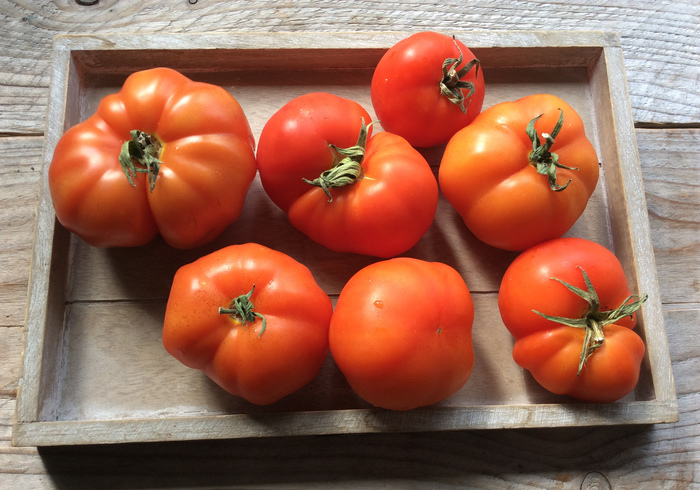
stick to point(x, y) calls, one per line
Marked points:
point(94, 367)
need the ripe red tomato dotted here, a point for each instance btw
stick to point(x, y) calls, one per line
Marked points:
point(196, 164)
point(349, 192)
point(252, 318)
point(427, 87)
point(401, 333)
point(574, 342)
point(511, 189)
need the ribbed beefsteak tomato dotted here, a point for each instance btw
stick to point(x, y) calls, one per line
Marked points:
point(512, 189)
point(568, 305)
point(340, 186)
point(252, 318)
point(164, 155)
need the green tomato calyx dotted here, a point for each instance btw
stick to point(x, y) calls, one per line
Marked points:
point(241, 310)
point(594, 320)
point(141, 155)
point(541, 158)
point(347, 165)
point(452, 86)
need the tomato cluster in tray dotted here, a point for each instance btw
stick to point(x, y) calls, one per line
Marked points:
point(105, 317)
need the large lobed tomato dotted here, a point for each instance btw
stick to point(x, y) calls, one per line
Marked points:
point(164, 155)
point(252, 318)
point(567, 303)
point(401, 333)
point(426, 88)
point(512, 189)
point(339, 186)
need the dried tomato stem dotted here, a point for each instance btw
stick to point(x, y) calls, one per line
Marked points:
point(541, 158)
point(241, 310)
point(452, 86)
point(593, 339)
point(141, 155)
point(594, 320)
point(347, 165)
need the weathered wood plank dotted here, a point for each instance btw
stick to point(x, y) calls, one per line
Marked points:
point(663, 80)
point(11, 339)
point(19, 177)
point(672, 185)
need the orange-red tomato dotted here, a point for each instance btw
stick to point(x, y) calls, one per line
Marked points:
point(534, 303)
point(510, 195)
point(377, 198)
point(401, 333)
point(427, 87)
point(201, 155)
point(252, 318)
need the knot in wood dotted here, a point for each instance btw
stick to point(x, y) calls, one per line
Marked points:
point(595, 481)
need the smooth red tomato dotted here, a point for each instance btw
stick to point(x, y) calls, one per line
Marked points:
point(252, 318)
point(426, 88)
point(574, 343)
point(342, 188)
point(513, 192)
point(196, 164)
point(401, 333)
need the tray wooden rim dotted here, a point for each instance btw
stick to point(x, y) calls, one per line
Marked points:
point(29, 430)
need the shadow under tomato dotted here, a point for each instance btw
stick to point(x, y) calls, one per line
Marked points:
point(327, 391)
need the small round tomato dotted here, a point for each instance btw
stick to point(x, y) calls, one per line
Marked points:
point(512, 189)
point(401, 333)
point(163, 155)
point(427, 87)
point(252, 319)
point(567, 303)
point(340, 187)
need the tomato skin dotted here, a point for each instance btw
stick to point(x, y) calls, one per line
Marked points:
point(383, 214)
point(406, 95)
point(208, 164)
point(486, 175)
point(293, 144)
point(401, 333)
point(552, 351)
point(259, 367)
point(611, 373)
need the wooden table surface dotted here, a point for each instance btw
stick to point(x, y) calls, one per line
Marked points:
point(662, 60)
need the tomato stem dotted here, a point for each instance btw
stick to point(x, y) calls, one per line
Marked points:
point(347, 165)
point(594, 320)
point(241, 310)
point(140, 155)
point(541, 158)
point(452, 85)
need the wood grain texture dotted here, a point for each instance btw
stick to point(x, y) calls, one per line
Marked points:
point(658, 38)
point(19, 186)
point(19, 177)
point(672, 185)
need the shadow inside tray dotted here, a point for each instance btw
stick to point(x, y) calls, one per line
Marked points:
point(449, 241)
point(328, 391)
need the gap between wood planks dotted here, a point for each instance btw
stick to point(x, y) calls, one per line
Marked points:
point(653, 125)
point(21, 135)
